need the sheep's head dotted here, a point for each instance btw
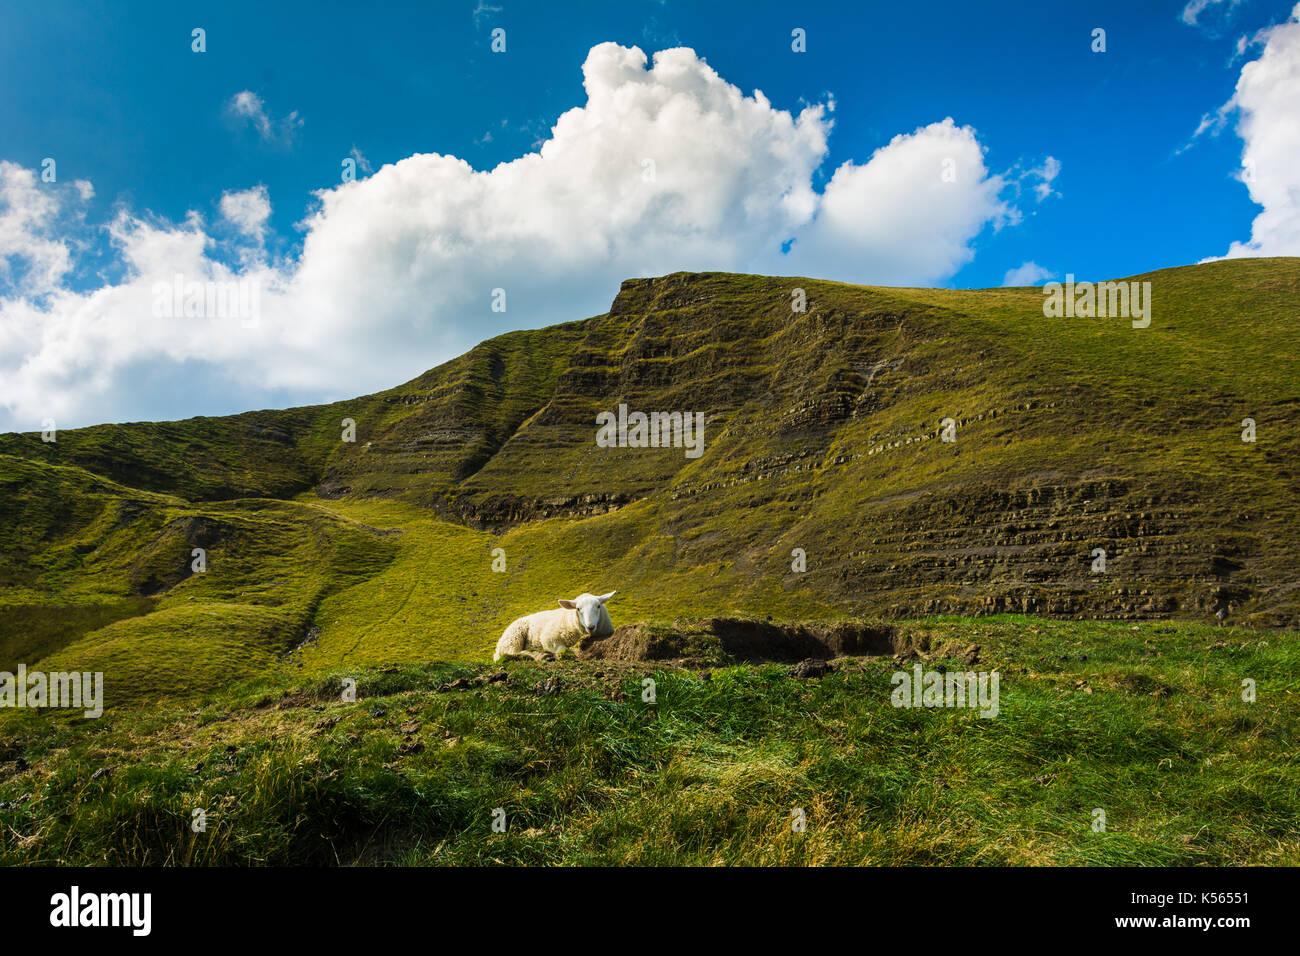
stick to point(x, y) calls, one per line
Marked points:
point(588, 607)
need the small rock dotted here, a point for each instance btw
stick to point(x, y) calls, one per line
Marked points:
point(547, 687)
point(809, 668)
point(379, 711)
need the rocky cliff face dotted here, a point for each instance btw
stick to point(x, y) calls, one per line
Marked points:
point(825, 432)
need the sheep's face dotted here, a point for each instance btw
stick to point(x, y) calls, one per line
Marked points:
point(588, 607)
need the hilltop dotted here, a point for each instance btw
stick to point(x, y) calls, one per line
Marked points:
point(822, 433)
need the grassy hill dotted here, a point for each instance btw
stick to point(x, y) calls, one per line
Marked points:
point(822, 434)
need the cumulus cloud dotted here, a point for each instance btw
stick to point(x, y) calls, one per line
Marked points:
point(665, 167)
point(247, 210)
point(1269, 125)
point(907, 215)
point(1027, 273)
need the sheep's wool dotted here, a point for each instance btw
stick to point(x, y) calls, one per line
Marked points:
point(555, 630)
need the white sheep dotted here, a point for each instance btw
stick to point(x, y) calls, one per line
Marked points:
point(555, 630)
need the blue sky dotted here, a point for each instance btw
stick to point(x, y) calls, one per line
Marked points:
point(148, 133)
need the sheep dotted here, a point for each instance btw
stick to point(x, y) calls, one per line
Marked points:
point(557, 629)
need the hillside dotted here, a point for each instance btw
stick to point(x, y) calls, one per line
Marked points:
point(822, 433)
point(1144, 722)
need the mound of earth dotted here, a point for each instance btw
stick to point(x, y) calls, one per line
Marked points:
point(722, 640)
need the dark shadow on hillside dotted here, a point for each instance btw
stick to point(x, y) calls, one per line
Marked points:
point(739, 640)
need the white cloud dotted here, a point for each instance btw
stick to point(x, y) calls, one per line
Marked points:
point(31, 261)
point(1194, 8)
point(484, 11)
point(1212, 123)
point(666, 167)
point(248, 106)
point(1268, 123)
point(1027, 273)
point(359, 158)
point(247, 210)
point(908, 215)
point(1046, 173)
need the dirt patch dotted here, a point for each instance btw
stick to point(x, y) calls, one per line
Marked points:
point(738, 640)
point(332, 489)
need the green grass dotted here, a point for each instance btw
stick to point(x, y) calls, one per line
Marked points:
point(1145, 722)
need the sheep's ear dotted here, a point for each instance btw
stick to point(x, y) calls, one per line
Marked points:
point(568, 604)
point(605, 597)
